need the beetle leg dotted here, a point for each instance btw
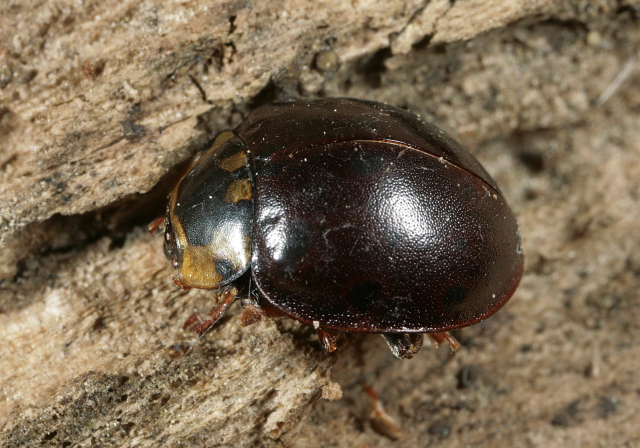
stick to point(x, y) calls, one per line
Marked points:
point(197, 324)
point(179, 284)
point(381, 422)
point(328, 338)
point(437, 339)
point(250, 315)
point(155, 225)
point(404, 346)
point(253, 311)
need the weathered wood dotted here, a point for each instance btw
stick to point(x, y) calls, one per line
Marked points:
point(100, 100)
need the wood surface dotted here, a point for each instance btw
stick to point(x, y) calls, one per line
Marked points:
point(101, 103)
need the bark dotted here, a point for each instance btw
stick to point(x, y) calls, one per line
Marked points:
point(102, 102)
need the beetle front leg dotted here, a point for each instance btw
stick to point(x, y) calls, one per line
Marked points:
point(156, 224)
point(199, 325)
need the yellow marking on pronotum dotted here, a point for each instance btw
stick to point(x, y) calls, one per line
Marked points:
point(234, 162)
point(238, 190)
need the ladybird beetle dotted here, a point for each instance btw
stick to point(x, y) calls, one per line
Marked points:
point(349, 215)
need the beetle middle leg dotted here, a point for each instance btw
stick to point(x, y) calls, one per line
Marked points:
point(404, 346)
point(254, 310)
point(199, 325)
point(437, 339)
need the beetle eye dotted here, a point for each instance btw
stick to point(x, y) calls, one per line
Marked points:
point(170, 245)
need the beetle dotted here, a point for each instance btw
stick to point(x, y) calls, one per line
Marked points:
point(349, 215)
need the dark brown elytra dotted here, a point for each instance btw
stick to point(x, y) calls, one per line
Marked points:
point(348, 215)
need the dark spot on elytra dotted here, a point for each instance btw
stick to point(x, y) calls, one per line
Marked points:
point(224, 268)
point(366, 163)
point(364, 296)
point(455, 295)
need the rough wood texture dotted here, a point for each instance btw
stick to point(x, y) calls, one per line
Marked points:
point(101, 101)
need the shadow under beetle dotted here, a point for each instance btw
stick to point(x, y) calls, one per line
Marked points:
point(348, 215)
